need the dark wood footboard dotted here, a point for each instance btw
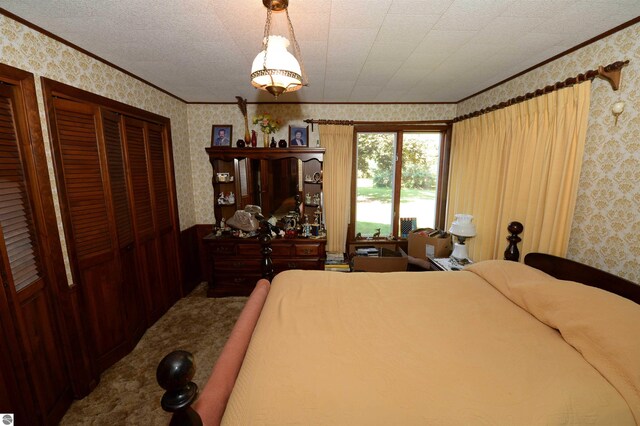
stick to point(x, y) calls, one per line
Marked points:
point(176, 370)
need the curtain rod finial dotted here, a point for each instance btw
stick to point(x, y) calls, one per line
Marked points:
point(612, 73)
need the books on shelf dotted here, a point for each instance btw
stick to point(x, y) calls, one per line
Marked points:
point(334, 257)
point(338, 267)
point(336, 262)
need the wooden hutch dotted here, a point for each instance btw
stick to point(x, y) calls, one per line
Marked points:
point(270, 178)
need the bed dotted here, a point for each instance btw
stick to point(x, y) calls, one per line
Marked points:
point(498, 343)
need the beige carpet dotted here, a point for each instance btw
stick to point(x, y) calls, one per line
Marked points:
point(128, 392)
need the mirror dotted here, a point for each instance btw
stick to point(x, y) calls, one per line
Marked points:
point(275, 184)
point(269, 178)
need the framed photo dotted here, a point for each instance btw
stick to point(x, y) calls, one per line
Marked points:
point(221, 135)
point(298, 136)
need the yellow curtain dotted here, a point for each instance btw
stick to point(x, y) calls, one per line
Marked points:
point(520, 163)
point(336, 187)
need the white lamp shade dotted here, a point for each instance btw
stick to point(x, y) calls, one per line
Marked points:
point(462, 226)
point(282, 68)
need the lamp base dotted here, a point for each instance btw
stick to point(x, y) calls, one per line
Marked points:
point(460, 251)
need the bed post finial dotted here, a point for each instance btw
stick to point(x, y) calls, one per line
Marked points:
point(174, 375)
point(512, 252)
point(265, 250)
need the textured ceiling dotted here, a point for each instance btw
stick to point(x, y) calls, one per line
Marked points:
point(353, 50)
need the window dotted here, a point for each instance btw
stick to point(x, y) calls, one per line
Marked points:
point(398, 174)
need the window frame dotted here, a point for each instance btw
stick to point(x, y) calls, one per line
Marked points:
point(443, 170)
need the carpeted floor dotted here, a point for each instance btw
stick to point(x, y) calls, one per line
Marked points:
point(128, 393)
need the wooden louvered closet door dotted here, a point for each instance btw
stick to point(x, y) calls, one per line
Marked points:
point(165, 232)
point(89, 226)
point(151, 277)
point(132, 289)
point(34, 350)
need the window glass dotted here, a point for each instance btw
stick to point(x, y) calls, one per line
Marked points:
point(374, 183)
point(420, 161)
point(412, 156)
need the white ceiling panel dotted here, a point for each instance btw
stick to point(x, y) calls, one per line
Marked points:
point(353, 51)
point(408, 28)
point(419, 7)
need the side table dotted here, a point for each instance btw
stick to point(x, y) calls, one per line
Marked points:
point(446, 264)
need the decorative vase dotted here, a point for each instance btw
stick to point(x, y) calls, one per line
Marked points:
point(273, 143)
point(254, 139)
point(265, 140)
point(240, 143)
point(282, 143)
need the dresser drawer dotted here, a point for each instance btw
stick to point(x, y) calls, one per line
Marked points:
point(281, 250)
point(309, 250)
point(280, 265)
point(249, 250)
point(239, 265)
point(222, 249)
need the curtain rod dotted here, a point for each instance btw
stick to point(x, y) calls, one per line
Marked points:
point(313, 121)
point(611, 73)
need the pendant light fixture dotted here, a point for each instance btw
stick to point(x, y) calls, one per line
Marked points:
point(275, 69)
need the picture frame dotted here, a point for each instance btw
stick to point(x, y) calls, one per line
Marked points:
point(303, 140)
point(221, 135)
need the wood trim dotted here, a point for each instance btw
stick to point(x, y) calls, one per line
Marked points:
point(325, 103)
point(610, 72)
point(54, 88)
point(228, 154)
point(443, 179)
point(65, 307)
point(558, 56)
point(86, 52)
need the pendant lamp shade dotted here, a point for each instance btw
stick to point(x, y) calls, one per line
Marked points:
point(280, 72)
point(275, 69)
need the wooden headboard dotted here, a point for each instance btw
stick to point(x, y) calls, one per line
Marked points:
point(565, 269)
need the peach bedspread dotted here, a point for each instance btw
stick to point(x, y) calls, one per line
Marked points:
point(413, 348)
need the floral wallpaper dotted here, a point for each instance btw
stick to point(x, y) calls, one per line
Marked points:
point(606, 222)
point(24, 48)
point(203, 116)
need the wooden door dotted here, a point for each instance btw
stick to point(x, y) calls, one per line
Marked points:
point(83, 185)
point(132, 290)
point(27, 303)
point(154, 288)
point(165, 223)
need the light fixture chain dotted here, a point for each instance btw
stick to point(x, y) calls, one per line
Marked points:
point(296, 49)
point(265, 39)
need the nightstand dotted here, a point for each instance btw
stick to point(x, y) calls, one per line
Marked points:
point(445, 264)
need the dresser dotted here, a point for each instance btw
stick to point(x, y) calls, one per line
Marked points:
point(235, 264)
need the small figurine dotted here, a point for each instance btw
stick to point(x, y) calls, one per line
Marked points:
point(223, 224)
point(377, 233)
point(307, 198)
point(221, 198)
point(359, 236)
point(231, 199)
point(316, 199)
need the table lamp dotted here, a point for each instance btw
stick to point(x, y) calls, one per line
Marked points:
point(463, 229)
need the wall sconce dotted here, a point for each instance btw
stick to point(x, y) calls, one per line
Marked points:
point(617, 109)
